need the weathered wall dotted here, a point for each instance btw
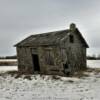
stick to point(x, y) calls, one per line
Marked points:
point(24, 60)
point(50, 69)
point(25, 63)
point(75, 52)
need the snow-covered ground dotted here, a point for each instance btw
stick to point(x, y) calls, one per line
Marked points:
point(48, 88)
point(93, 63)
point(8, 60)
point(8, 68)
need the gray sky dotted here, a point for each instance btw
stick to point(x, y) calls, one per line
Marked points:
point(20, 18)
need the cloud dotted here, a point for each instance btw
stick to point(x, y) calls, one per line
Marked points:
point(20, 17)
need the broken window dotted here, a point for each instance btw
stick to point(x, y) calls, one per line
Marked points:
point(71, 38)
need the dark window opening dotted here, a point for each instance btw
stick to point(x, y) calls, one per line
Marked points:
point(71, 39)
point(36, 62)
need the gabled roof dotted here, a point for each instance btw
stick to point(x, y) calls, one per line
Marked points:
point(50, 38)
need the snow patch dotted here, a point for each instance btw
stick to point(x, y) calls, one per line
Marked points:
point(45, 88)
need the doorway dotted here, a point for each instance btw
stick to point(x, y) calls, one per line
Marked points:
point(66, 69)
point(36, 65)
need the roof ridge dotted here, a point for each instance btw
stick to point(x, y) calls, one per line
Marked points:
point(50, 32)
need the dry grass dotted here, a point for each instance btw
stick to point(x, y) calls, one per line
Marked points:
point(55, 77)
point(86, 72)
point(80, 74)
point(8, 63)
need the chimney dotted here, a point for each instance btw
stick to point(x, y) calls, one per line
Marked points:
point(72, 27)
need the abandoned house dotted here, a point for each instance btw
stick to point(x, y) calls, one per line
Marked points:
point(60, 52)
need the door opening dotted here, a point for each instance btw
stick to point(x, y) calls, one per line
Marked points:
point(66, 69)
point(36, 62)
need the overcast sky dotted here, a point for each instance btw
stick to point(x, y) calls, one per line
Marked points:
point(20, 18)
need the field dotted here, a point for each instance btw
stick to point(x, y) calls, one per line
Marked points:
point(8, 62)
point(40, 87)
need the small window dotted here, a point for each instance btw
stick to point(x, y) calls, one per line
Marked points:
point(71, 39)
point(49, 58)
